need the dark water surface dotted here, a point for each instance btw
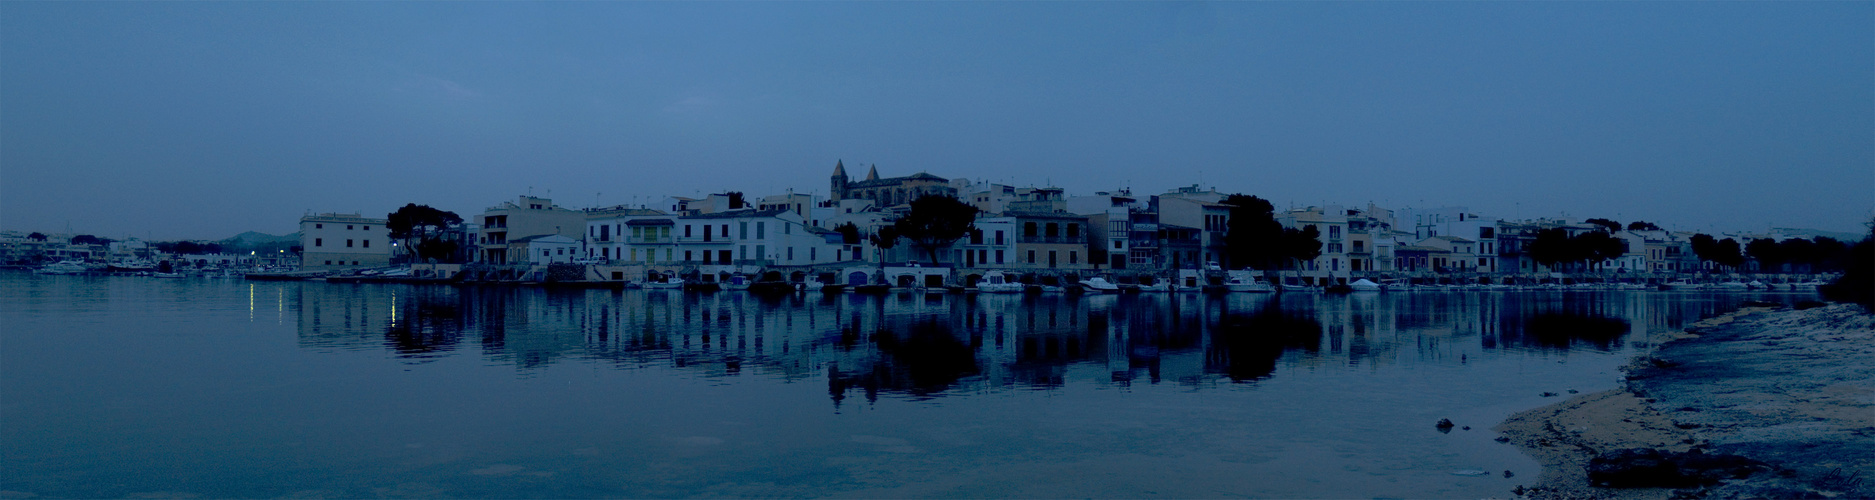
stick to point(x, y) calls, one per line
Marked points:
point(114, 387)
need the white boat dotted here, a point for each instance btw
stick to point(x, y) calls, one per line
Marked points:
point(1362, 285)
point(813, 285)
point(1757, 285)
point(1632, 286)
point(736, 283)
point(1160, 286)
point(1733, 286)
point(1100, 285)
point(1299, 288)
point(1683, 285)
point(1052, 289)
point(996, 282)
point(670, 284)
point(167, 275)
point(64, 267)
point(1241, 284)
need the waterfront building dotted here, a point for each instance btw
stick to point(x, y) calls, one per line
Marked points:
point(755, 237)
point(526, 216)
point(1110, 224)
point(1331, 224)
point(1050, 241)
point(991, 245)
point(543, 249)
point(1202, 209)
point(332, 241)
point(799, 203)
point(613, 233)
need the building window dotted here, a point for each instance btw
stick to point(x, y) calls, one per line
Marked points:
point(319, 242)
point(1031, 256)
point(1116, 244)
point(367, 243)
point(348, 243)
point(687, 252)
point(1028, 229)
point(348, 227)
point(725, 231)
point(1074, 230)
point(999, 241)
point(328, 263)
point(321, 226)
point(367, 228)
point(686, 233)
point(742, 232)
point(1053, 230)
point(1334, 231)
point(999, 255)
point(1074, 257)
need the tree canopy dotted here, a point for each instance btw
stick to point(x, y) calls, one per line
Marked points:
point(1252, 237)
point(935, 221)
point(1608, 225)
point(1722, 252)
point(86, 239)
point(1555, 246)
point(849, 233)
point(421, 229)
point(1641, 225)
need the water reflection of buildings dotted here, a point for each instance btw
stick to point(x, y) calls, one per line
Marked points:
point(923, 347)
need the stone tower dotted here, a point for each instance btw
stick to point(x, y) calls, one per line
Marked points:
point(838, 191)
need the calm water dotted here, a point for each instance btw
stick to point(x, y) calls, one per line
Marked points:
point(115, 387)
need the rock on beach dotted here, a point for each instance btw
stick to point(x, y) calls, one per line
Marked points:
point(1759, 403)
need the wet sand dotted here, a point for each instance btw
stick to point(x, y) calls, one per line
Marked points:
point(1795, 389)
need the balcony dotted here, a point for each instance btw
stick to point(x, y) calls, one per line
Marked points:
point(1052, 239)
point(652, 240)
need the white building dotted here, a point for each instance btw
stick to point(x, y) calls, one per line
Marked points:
point(543, 249)
point(343, 241)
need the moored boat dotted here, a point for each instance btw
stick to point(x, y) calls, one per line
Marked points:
point(997, 282)
point(1099, 285)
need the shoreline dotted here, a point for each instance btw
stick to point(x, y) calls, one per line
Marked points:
point(1790, 390)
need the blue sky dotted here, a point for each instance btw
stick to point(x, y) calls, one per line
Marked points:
point(204, 119)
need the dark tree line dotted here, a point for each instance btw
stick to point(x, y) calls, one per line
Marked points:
point(423, 231)
point(1253, 238)
point(1555, 247)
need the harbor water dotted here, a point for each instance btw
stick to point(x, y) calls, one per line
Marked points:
point(124, 386)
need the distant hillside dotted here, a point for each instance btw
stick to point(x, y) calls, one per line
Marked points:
point(253, 240)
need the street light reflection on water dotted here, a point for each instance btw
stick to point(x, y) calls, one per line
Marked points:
point(492, 391)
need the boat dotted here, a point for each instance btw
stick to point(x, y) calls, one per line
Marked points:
point(167, 275)
point(1100, 285)
point(1631, 286)
point(1157, 287)
point(63, 267)
point(1299, 288)
point(1733, 286)
point(671, 284)
point(1363, 285)
point(1243, 284)
point(1757, 285)
point(813, 286)
point(996, 282)
point(1682, 285)
point(735, 283)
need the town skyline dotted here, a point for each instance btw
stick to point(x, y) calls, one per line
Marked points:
point(202, 120)
point(821, 193)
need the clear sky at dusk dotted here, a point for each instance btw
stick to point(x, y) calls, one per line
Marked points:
point(204, 119)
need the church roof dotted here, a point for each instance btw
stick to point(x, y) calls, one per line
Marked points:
point(873, 175)
point(839, 168)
